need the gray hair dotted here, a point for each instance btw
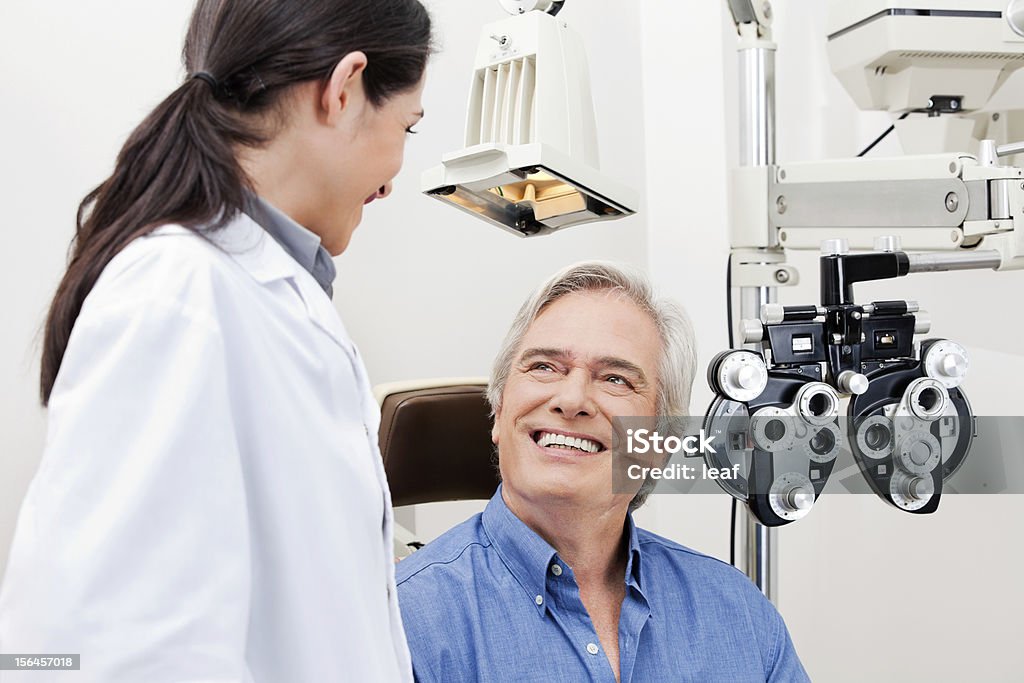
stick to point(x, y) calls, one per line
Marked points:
point(678, 362)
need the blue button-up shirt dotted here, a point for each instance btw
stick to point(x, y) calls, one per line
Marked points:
point(490, 600)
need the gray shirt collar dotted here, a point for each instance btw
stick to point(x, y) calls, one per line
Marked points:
point(301, 244)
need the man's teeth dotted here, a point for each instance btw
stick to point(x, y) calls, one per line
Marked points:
point(568, 442)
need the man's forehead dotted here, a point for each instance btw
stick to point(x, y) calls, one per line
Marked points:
point(596, 327)
point(601, 307)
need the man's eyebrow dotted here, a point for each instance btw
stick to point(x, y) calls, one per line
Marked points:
point(544, 352)
point(613, 362)
point(623, 365)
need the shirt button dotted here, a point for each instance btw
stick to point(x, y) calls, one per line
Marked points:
point(539, 599)
point(556, 569)
point(592, 648)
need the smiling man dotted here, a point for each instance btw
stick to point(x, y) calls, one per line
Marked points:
point(553, 581)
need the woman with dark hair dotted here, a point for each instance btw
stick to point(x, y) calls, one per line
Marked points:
point(211, 504)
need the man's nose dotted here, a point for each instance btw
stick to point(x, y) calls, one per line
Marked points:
point(572, 397)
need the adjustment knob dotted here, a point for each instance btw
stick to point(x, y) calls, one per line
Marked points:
point(748, 376)
point(773, 314)
point(791, 496)
point(987, 152)
point(799, 499)
point(947, 362)
point(888, 243)
point(851, 382)
point(921, 488)
point(751, 331)
point(911, 492)
point(837, 247)
point(953, 365)
point(922, 322)
point(739, 375)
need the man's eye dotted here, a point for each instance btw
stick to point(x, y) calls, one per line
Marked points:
point(543, 367)
point(618, 379)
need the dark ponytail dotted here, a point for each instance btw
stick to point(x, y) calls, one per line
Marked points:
point(179, 165)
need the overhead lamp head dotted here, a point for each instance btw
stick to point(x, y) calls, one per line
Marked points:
point(521, 191)
point(530, 161)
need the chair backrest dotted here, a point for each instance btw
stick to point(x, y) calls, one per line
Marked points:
point(435, 439)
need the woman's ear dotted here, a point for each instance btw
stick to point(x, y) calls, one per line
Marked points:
point(344, 93)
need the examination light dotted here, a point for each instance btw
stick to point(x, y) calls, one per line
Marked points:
point(530, 161)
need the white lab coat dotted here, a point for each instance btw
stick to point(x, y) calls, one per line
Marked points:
point(211, 504)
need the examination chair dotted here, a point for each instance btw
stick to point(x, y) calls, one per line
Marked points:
point(435, 439)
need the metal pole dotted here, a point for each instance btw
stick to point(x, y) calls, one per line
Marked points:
point(756, 540)
point(933, 262)
point(757, 106)
point(757, 148)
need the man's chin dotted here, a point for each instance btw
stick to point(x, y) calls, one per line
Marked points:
point(562, 488)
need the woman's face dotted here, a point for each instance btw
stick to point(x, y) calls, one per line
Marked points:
point(361, 160)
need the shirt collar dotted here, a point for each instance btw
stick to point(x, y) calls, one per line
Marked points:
point(526, 554)
point(529, 557)
point(301, 244)
point(633, 560)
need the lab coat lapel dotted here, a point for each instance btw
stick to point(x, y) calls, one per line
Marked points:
point(322, 312)
point(266, 261)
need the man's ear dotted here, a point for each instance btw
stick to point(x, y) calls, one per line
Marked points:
point(494, 427)
point(344, 92)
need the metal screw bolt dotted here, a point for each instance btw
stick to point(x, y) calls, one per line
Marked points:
point(781, 276)
point(780, 204)
point(952, 202)
point(855, 315)
point(847, 350)
point(952, 167)
point(955, 236)
point(767, 10)
point(995, 117)
point(782, 174)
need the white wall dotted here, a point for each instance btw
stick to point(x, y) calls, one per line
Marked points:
point(427, 291)
point(76, 77)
